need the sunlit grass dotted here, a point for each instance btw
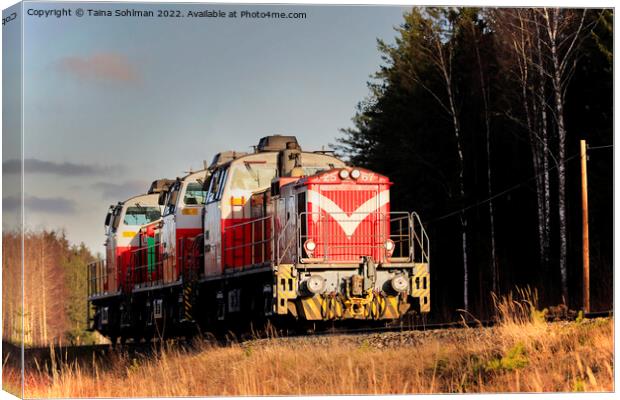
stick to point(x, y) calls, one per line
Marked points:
point(523, 353)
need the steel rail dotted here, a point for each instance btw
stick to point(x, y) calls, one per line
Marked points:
point(86, 353)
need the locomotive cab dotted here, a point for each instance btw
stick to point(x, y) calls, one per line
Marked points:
point(125, 226)
point(124, 238)
point(352, 256)
point(325, 230)
point(235, 233)
point(181, 221)
point(124, 223)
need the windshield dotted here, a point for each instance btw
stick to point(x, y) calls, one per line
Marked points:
point(252, 176)
point(108, 217)
point(140, 215)
point(194, 194)
point(116, 217)
point(171, 199)
point(309, 171)
point(313, 163)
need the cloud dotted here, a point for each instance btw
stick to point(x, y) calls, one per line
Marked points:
point(121, 191)
point(49, 205)
point(10, 204)
point(110, 67)
point(34, 166)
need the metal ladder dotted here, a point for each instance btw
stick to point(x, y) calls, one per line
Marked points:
point(420, 244)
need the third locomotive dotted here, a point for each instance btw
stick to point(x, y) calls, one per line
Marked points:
point(276, 234)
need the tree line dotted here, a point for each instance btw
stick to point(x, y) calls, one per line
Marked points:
point(54, 289)
point(476, 116)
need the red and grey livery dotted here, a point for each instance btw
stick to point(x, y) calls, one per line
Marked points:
point(127, 226)
point(277, 234)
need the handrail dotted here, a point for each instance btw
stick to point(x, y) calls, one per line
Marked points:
point(292, 238)
point(246, 223)
point(264, 240)
point(149, 266)
point(372, 242)
point(422, 239)
point(97, 276)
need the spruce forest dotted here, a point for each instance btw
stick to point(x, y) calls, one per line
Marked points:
point(476, 116)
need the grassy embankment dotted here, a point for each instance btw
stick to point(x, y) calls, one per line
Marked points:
point(522, 354)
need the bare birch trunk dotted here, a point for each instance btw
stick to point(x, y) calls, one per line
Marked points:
point(457, 134)
point(537, 165)
point(561, 179)
point(524, 50)
point(552, 30)
point(435, 51)
point(446, 69)
point(545, 155)
point(487, 125)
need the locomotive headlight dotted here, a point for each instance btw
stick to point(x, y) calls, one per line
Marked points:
point(389, 245)
point(310, 245)
point(315, 284)
point(344, 173)
point(355, 173)
point(400, 283)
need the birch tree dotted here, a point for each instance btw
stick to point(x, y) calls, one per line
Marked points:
point(457, 85)
point(563, 28)
point(485, 90)
point(543, 47)
point(518, 41)
point(428, 39)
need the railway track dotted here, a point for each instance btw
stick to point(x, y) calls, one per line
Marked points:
point(43, 358)
point(448, 325)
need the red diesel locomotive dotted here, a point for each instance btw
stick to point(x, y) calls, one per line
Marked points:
point(279, 234)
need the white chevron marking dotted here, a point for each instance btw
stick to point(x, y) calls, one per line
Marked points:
point(348, 222)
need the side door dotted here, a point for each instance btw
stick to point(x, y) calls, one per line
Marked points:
point(168, 235)
point(188, 219)
point(111, 279)
point(213, 223)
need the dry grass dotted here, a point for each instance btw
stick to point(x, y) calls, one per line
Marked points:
point(522, 354)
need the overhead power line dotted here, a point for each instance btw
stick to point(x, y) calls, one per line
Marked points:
point(512, 188)
point(600, 147)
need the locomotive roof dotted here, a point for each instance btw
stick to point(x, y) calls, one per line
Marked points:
point(144, 195)
point(268, 145)
point(373, 177)
point(203, 171)
point(160, 185)
point(275, 153)
point(276, 143)
point(225, 156)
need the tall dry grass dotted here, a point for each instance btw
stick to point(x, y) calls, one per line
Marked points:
point(522, 354)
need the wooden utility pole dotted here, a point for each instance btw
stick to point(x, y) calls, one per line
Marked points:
point(586, 239)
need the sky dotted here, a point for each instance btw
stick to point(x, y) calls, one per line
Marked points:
point(112, 103)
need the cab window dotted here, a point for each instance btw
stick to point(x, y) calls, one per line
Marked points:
point(313, 163)
point(108, 220)
point(309, 171)
point(217, 185)
point(141, 215)
point(108, 217)
point(194, 194)
point(172, 199)
point(116, 217)
point(252, 176)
